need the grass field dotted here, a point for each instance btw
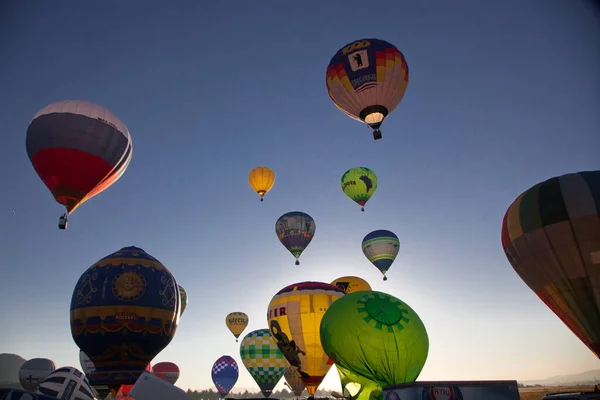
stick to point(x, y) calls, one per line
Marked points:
point(536, 393)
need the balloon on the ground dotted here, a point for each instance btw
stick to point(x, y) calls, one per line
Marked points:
point(294, 316)
point(183, 298)
point(367, 79)
point(225, 373)
point(123, 392)
point(551, 237)
point(295, 231)
point(381, 248)
point(357, 387)
point(167, 371)
point(124, 311)
point(87, 366)
point(351, 284)
point(359, 184)
point(78, 149)
point(375, 335)
point(261, 180)
point(263, 359)
point(236, 322)
point(66, 383)
point(33, 371)
point(294, 381)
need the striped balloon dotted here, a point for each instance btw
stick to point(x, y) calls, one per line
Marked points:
point(381, 248)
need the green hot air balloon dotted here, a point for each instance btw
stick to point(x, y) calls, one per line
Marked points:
point(376, 336)
point(359, 184)
point(183, 298)
point(358, 387)
point(263, 359)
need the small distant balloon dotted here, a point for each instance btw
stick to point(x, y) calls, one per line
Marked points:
point(167, 371)
point(183, 298)
point(295, 230)
point(225, 373)
point(261, 180)
point(381, 248)
point(359, 184)
point(236, 322)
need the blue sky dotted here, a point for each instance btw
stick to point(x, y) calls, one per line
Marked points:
point(501, 96)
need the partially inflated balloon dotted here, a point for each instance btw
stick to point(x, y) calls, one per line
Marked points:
point(551, 237)
point(295, 231)
point(236, 322)
point(124, 311)
point(381, 248)
point(376, 336)
point(261, 180)
point(359, 184)
point(78, 149)
point(294, 381)
point(263, 359)
point(33, 371)
point(351, 284)
point(294, 316)
point(367, 79)
point(224, 374)
point(183, 298)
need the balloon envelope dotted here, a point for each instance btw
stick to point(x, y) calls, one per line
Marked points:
point(263, 359)
point(67, 383)
point(295, 231)
point(551, 237)
point(166, 371)
point(359, 184)
point(33, 371)
point(381, 248)
point(236, 322)
point(225, 374)
point(87, 366)
point(124, 311)
point(294, 380)
point(367, 79)
point(376, 336)
point(351, 284)
point(78, 149)
point(294, 316)
point(183, 298)
point(261, 180)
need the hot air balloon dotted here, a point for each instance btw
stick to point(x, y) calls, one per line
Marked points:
point(167, 371)
point(224, 374)
point(123, 392)
point(351, 284)
point(357, 387)
point(263, 359)
point(294, 381)
point(87, 366)
point(294, 316)
point(261, 180)
point(183, 298)
point(359, 184)
point(78, 149)
point(295, 230)
point(34, 371)
point(367, 79)
point(376, 336)
point(124, 311)
point(381, 248)
point(551, 237)
point(236, 322)
point(66, 383)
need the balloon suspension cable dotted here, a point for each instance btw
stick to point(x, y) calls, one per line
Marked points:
point(297, 262)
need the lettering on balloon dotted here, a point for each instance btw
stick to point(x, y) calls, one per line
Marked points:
point(126, 316)
point(357, 82)
point(346, 184)
point(276, 312)
point(237, 321)
point(355, 46)
point(107, 122)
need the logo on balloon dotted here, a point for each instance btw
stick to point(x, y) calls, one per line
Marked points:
point(442, 393)
point(129, 286)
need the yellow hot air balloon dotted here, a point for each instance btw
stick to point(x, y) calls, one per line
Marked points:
point(294, 318)
point(236, 322)
point(351, 284)
point(261, 180)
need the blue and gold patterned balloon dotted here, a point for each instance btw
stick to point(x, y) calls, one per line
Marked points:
point(124, 311)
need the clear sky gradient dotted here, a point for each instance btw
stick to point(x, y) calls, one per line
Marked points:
point(502, 95)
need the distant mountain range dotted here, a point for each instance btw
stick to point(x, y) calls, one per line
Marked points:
point(582, 378)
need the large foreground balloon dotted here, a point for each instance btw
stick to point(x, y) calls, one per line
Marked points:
point(294, 317)
point(359, 184)
point(78, 149)
point(294, 381)
point(263, 359)
point(381, 248)
point(261, 180)
point(167, 371)
point(236, 322)
point(225, 374)
point(351, 284)
point(367, 79)
point(33, 371)
point(357, 387)
point(375, 335)
point(295, 231)
point(551, 237)
point(67, 383)
point(124, 311)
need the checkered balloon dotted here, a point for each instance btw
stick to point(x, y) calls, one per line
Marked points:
point(225, 374)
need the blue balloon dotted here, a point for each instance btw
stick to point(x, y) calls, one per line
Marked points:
point(225, 374)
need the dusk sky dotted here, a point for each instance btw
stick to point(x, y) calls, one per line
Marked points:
point(502, 95)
